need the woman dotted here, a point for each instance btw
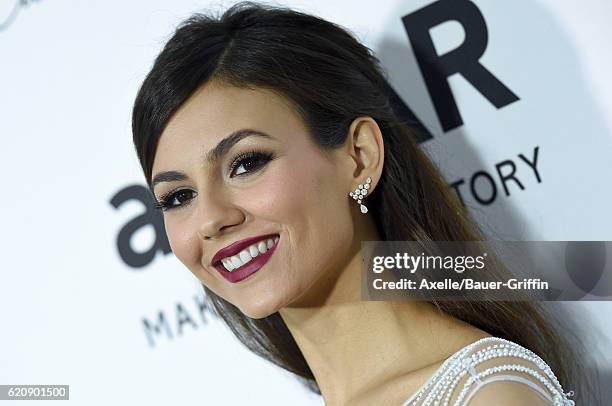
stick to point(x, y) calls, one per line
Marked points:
point(253, 130)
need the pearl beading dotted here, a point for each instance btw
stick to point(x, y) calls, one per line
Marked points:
point(447, 377)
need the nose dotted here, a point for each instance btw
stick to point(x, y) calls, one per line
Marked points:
point(215, 213)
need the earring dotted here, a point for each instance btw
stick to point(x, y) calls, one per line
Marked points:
point(360, 193)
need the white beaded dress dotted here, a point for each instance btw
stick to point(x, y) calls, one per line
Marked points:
point(487, 360)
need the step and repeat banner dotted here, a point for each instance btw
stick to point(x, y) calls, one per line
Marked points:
point(514, 100)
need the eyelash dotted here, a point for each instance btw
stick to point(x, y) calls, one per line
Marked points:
point(164, 202)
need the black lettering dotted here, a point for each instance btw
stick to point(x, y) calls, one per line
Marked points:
point(534, 163)
point(463, 60)
point(151, 216)
point(183, 317)
point(481, 200)
point(509, 176)
point(151, 328)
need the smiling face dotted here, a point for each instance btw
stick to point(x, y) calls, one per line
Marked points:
point(289, 187)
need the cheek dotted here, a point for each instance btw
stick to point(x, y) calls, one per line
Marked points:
point(183, 244)
point(173, 233)
point(278, 199)
point(309, 206)
point(292, 193)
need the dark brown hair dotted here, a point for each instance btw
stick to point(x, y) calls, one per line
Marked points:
point(331, 78)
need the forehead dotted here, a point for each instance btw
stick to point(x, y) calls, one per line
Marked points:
point(214, 111)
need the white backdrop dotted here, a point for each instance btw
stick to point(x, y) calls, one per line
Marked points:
point(76, 305)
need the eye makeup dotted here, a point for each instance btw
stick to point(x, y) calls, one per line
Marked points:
point(251, 161)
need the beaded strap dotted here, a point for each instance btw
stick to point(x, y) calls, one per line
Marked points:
point(441, 372)
point(509, 367)
point(507, 377)
point(447, 377)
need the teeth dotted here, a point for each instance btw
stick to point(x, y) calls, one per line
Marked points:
point(261, 247)
point(235, 261)
point(244, 256)
point(227, 264)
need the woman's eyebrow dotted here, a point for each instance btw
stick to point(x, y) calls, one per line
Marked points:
point(212, 156)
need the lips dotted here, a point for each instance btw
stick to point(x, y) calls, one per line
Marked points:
point(238, 246)
point(250, 267)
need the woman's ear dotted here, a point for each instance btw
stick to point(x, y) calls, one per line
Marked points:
point(366, 149)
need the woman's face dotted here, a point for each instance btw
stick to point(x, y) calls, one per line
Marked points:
point(290, 188)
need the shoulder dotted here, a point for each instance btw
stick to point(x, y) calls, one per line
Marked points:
point(496, 371)
point(502, 372)
point(507, 393)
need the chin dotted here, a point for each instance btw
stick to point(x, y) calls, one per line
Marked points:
point(257, 313)
point(262, 308)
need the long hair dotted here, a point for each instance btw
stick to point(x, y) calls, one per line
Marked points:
point(331, 78)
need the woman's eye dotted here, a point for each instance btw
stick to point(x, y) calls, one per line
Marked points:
point(244, 163)
point(250, 162)
point(169, 202)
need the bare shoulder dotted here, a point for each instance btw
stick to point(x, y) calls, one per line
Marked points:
point(507, 393)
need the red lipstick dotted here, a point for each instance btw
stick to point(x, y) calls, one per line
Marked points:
point(250, 267)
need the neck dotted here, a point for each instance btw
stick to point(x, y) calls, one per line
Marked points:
point(356, 347)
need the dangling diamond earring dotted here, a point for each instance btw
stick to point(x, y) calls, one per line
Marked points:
point(360, 193)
